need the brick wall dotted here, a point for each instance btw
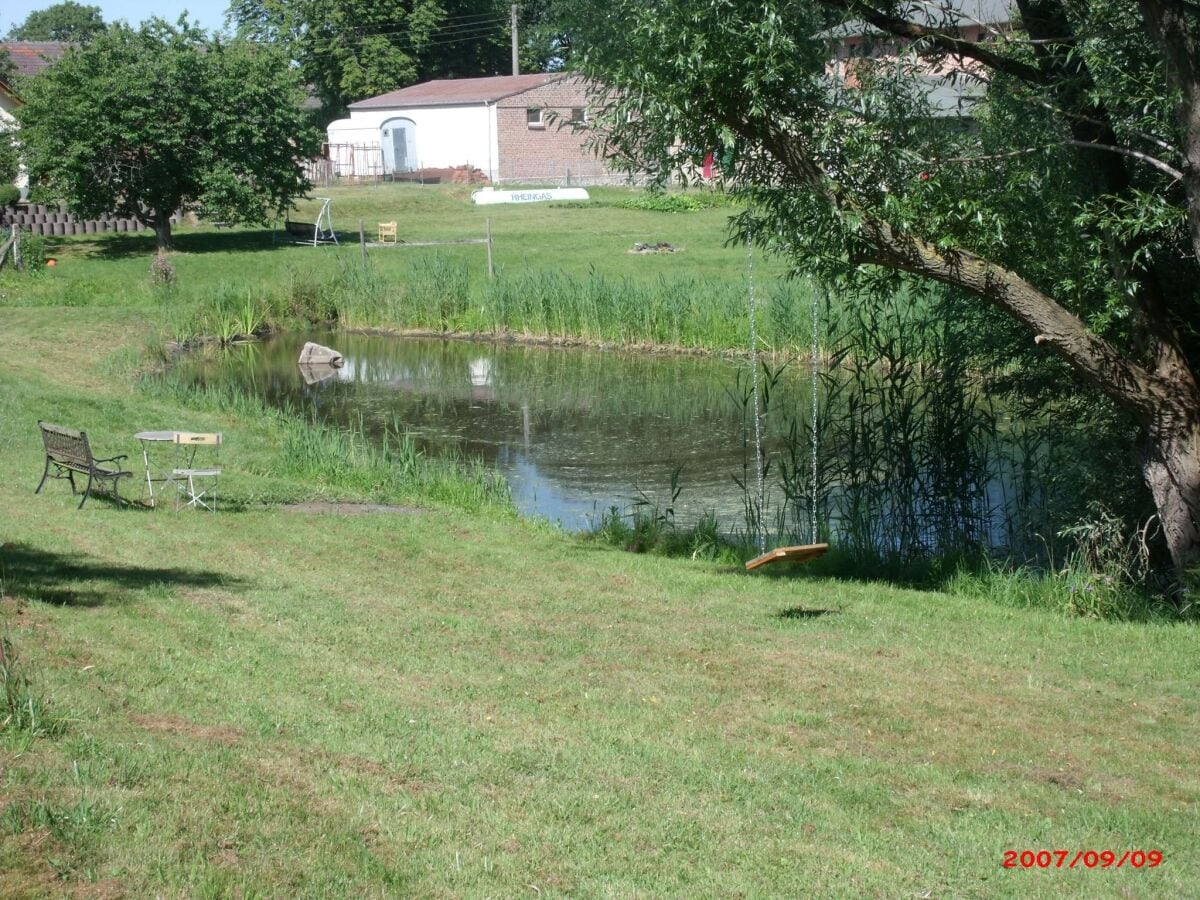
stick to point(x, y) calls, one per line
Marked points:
point(556, 152)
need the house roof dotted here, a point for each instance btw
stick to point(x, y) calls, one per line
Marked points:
point(934, 14)
point(459, 91)
point(30, 57)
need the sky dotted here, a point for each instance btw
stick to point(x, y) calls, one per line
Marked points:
point(209, 13)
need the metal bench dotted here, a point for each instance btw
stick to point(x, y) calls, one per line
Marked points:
point(69, 452)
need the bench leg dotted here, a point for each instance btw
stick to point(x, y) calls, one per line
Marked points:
point(87, 490)
point(45, 474)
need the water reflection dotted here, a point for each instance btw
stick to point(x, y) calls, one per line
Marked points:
point(574, 431)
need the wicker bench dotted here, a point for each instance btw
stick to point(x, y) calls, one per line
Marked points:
point(69, 452)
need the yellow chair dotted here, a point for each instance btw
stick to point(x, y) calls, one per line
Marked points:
point(387, 233)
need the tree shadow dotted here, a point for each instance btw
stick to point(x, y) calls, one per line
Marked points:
point(126, 246)
point(71, 578)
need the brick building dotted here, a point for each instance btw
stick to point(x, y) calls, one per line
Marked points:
point(512, 128)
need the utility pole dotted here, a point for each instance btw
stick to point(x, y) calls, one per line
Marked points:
point(515, 55)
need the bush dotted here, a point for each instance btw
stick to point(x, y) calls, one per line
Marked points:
point(9, 194)
point(661, 202)
point(33, 252)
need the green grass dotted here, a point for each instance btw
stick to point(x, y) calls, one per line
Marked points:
point(564, 271)
point(456, 703)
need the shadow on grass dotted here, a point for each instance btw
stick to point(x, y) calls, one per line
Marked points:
point(70, 578)
point(801, 612)
point(125, 246)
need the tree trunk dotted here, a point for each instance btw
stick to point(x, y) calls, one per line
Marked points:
point(1171, 468)
point(162, 230)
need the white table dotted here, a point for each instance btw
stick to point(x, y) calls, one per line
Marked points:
point(149, 438)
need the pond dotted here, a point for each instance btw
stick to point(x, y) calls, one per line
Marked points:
point(574, 431)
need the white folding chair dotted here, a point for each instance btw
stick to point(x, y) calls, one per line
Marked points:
point(190, 479)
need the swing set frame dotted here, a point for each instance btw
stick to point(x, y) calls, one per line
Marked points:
point(313, 233)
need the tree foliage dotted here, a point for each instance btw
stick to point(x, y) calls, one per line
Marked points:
point(145, 122)
point(1068, 202)
point(352, 49)
point(66, 21)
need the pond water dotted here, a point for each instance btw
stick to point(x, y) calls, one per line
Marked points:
point(574, 431)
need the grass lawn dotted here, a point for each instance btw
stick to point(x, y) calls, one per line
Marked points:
point(456, 703)
point(563, 271)
point(569, 236)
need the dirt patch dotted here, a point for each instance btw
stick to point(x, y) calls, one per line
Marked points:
point(27, 873)
point(108, 889)
point(352, 509)
point(219, 734)
point(1062, 778)
point(370, 768)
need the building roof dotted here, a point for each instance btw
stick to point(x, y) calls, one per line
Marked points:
point(934, 14)
point(30, 57)
point(459, 91)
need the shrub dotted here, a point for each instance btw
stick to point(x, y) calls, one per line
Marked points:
point(162, 271)
point(660, 202)
point(33, 252)
point(9, 194)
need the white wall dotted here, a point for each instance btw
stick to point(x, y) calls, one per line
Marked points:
point(446, 135)
point(7, 123)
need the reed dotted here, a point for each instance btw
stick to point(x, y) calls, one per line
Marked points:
point(442, 293)
point(386, 465)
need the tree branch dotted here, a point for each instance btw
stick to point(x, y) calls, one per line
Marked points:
point(1147, 395)
point(1174, 173)
point(948, 43)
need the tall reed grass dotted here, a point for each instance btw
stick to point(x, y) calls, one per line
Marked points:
point(325, 458)
point(439, 293)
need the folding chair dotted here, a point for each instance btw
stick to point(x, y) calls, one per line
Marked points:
point(186, 476)
point(386, 233)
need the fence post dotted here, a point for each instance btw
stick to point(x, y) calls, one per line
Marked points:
point(491, 268)
point(362, 243)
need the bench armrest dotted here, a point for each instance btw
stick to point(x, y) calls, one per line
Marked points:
point(113, 458)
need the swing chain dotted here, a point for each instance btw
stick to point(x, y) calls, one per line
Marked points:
point(758, 457)
point(816, 361)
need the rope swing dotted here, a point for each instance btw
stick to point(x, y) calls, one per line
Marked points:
point(801, 552)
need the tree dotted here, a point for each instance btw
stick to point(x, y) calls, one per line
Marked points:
point(1071, 204)
point(145, 122)
point(66, 21)
point(351, 49)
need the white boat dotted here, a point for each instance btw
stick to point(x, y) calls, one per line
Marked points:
point(487, 196)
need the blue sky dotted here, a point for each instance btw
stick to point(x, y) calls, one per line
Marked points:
point(210, 13)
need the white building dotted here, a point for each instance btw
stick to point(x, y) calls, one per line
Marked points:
point(509, 127)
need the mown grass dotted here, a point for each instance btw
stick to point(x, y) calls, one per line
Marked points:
point(563, 271)
point(456, 703)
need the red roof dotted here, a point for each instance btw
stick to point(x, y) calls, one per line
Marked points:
point(30, 57)
point(459, 91)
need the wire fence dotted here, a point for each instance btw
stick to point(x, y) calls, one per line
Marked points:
point(356, 163)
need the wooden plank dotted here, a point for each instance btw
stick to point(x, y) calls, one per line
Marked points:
point(798, 554)
point(427, 243)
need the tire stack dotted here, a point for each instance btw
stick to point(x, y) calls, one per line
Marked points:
point(57, 221)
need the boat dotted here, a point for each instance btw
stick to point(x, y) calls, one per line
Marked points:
point(488, 196)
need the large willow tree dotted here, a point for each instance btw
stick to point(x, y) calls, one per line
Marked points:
point(1068, 199)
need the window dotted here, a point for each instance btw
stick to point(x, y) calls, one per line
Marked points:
point(578, 115)
point(533, 117)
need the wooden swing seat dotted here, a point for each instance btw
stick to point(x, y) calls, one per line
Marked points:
point(801, 553)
